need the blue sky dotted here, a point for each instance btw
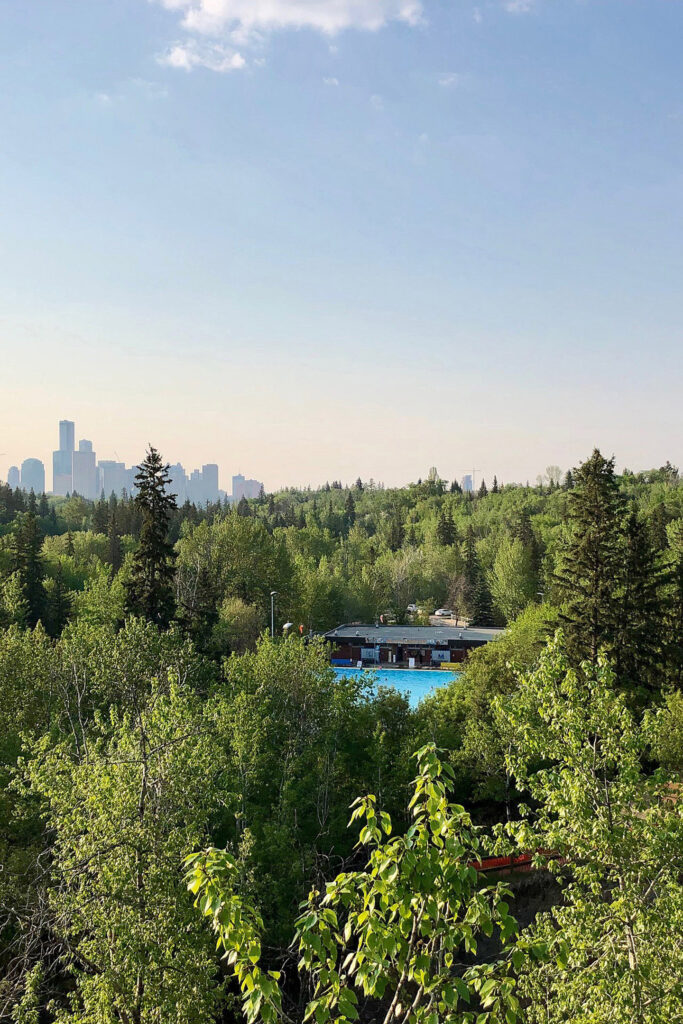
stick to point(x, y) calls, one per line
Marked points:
point(309, 239)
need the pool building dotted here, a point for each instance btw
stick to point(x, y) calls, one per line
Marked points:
point(410, 646)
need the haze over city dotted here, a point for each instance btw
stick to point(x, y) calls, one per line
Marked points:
point(343, 239)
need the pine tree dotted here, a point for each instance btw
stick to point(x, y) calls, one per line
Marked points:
point(114, 547)
point(396, 530)
point(70, 544)
point(590, 562)
point(100, 515)
point(28, 542)
point(243, 507)
point(445, 529)
point(58, 604)
point(482, 604)
point(494, 488)
point(659, 521)
point(455, 487)
point(149, 591)
point(483, 489)
point(43, 507)
point(638, 647)
point(349, 511)
point(568, 480)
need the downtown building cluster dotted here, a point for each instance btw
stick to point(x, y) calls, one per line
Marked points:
point(76, 470)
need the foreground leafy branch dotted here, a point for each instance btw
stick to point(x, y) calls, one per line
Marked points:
point(393, 932)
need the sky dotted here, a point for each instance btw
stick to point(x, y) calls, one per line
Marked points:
point(316, 239)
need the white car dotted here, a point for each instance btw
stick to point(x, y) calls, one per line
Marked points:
point(412, 608)
point(443, 613)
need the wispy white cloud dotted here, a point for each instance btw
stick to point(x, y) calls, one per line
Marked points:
point(213, 17)
point(331, 81)
point(377, 103)
point(232, 25)
point(448, 79)
point(191, 54)
point(477, 15)
point(519, 6)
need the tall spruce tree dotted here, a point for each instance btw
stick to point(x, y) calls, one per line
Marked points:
point(114, 547)
point(591, 560)
point(150, 590)
point(445, 529)
point(638, 654)
point(58, 605)
point(349, 511)
point(100, 515)
point(28, 563)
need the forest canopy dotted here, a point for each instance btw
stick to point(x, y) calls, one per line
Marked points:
point(173, 777)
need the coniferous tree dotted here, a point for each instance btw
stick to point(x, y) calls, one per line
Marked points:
point(349, 511)
point(100, 515)
point(114, 547)
point(70, 544)
point(639, 594)
point(568, 480)
point(591, 560)
point(482, 604)
point(396, 530)
point(149, 591)
point(483, 489)
point(523, 531)
point(43, 507)
point(28, 542)
point(243, 507)
point(494, 488)
point(455, 487)
point(658, 523)
point(58, 605)
point(445, 529)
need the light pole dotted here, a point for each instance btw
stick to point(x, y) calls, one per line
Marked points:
point(273, 595)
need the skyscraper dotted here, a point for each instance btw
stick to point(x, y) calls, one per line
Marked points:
point(33, 475)
point(210, 481)
point(112, 478)
point(242, 488)
point(67, 435)
point(84, 471)
point(466, 482)
point(14, 477)
point(62, 459)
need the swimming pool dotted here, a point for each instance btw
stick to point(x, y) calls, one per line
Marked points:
point(414, 683)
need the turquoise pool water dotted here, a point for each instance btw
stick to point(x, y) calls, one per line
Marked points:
point(415, 683)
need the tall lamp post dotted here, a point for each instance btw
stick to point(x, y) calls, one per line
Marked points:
point(273, 595)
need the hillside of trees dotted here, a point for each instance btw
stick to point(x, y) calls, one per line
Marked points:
point(176, 785)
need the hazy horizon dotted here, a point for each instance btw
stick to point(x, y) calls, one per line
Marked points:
point(342, 238)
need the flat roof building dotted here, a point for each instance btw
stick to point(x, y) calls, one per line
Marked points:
point(415, 646)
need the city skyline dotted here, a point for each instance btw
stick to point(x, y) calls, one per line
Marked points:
point(77, 470)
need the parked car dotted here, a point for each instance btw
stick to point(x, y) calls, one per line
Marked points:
point(412, 608)
point(444, 613)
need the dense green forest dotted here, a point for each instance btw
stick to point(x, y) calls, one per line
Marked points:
point(173, 778)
